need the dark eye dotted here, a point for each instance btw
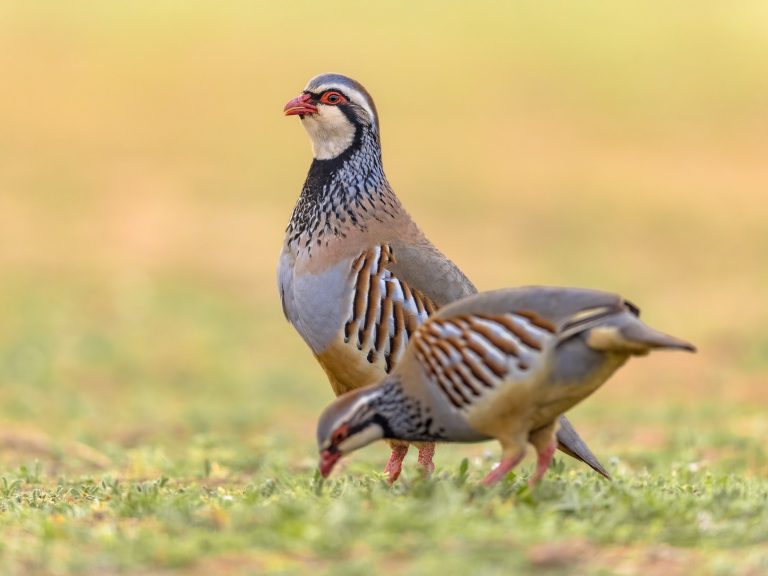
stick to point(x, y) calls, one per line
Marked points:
point(339, 434)
point(333, 98)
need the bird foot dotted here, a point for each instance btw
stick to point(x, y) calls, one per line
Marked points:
point(543, 463)
point(395, 464)
point(501, 470)
point(426, 453)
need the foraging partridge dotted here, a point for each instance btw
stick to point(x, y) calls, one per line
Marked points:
point(356, 275)
point(503, 365)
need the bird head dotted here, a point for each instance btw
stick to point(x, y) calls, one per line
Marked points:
point(348, 424)
point(335, 110)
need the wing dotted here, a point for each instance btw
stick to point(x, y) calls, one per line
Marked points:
point(564, 308)
point(428, 270)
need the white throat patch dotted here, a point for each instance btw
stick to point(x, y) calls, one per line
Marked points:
point(330, 130)
point(362, 438)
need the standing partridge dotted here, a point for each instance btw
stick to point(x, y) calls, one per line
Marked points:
point(503, 365)
point(356, 275)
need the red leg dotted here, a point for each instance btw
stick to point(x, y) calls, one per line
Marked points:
point(395, 463)
point(426, 453)
point(544, 460)
point(501, 470)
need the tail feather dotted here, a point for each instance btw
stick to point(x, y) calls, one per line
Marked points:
point(644, 334)
point(633, 337)
point(569, 441)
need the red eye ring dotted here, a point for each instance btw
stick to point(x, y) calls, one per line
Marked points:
point(340, 433)
point(333, 98)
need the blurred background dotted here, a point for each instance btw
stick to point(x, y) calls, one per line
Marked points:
point(147, 174)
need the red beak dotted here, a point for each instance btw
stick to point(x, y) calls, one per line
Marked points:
point(300, 105)
point(327, 461)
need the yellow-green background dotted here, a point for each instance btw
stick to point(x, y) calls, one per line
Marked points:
point(147, 175)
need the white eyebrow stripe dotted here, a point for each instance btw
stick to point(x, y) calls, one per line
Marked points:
point(354, 95)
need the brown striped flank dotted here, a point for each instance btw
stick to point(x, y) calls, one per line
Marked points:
point(466, 356)
point(384, 312)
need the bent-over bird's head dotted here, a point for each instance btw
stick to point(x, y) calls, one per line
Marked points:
point(349, 423)
point(334, 110)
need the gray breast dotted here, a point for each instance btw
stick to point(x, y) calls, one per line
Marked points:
point(320, 303)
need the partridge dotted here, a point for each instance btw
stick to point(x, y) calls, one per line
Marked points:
point(504, 365)
point(356, 275)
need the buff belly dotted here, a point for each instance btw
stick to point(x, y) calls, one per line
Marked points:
point(347, 368)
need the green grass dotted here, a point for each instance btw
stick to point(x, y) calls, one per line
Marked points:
point(286, 520)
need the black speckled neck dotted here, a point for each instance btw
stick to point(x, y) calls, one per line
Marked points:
point(342, 193)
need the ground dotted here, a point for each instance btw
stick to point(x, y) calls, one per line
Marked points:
point(157, 413)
